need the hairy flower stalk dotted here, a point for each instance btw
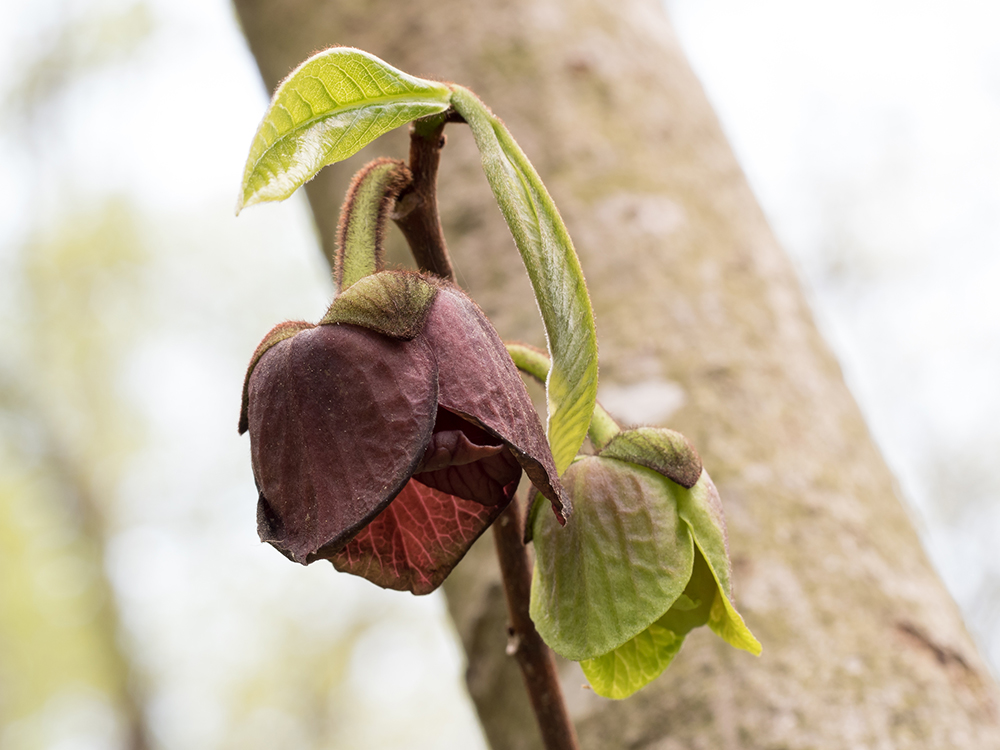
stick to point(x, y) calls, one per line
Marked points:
point(387, 438)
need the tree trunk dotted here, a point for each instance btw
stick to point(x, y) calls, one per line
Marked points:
point(695, 302)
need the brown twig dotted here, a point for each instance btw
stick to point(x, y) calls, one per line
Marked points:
point(535, 659)
point(416, 211)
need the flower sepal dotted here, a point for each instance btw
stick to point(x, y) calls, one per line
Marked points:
point(393, 303)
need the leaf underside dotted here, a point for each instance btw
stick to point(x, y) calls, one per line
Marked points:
point(326, 110)
point(701, 509)
point(633, 665)
point(554, 271)
point(643, 563)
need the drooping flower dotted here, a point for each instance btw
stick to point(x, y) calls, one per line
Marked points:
point(644, 562)
point(388, 437)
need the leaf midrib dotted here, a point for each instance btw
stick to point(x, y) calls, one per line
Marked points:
point(360, 104)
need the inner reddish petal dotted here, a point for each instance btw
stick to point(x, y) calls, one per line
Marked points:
point(484, 482)
point(414, 543)
point(466, 461)
point(453, 448)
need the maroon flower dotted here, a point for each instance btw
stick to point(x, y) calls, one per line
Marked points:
point(388, 437)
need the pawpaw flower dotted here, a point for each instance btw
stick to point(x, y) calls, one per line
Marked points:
point(644, 562)
point(388, 437)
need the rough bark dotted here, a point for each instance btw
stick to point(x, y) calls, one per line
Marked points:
point(862, 645)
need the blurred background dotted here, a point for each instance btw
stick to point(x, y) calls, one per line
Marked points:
point(137, 608)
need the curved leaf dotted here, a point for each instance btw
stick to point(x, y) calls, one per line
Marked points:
point(554, 270)
point(536, 363)
point(701, 510)
point(618, 567)
point(635, 664)
point(329, 108)
point(726, 623)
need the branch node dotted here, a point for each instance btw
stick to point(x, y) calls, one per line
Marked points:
point(416, 212)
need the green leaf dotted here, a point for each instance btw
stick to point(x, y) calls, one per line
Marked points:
point(726, 623)
point(554, 270)
point(633, 665)
point(329, 108)
point(619, 565)
point(701, 510)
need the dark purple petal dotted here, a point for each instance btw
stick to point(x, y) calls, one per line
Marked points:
point(417, 540)
point(478, 381)
point(339, 418)
point(280, 332)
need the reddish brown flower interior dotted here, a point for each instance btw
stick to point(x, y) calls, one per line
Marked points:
point(465, 460)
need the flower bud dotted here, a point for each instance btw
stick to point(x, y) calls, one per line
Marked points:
point(387, 438)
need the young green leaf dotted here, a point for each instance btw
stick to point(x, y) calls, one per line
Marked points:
point(701, 510)
point(618, 567)
point(633, 665)
point(643, 563)
point(327, 109)
point(555, 274)
point(636, 663)
point(726, 623)
point(536, 363)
